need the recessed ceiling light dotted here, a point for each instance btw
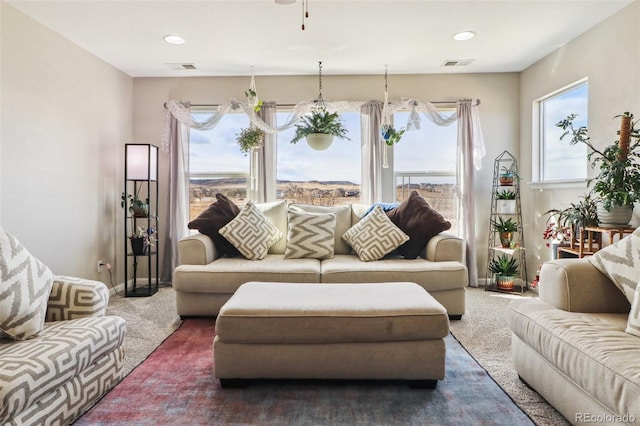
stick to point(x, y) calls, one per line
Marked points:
point(173, 39)
point(464, 35)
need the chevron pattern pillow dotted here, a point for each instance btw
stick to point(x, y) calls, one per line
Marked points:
point(25, 285)
point(310, 235)
point(251, 232)
point(633, 323)
point(621, 263)
point(374, 236)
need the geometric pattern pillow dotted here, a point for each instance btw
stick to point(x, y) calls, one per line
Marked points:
point(251, 232)
point(633, 323)
point(25, 285)
point(311, 235)
point(621, 263)
point(374, 236)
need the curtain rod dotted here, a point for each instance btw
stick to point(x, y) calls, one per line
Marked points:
point(292, 105)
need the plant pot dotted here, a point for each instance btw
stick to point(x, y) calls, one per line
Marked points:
point(618, 216)
point(505, 239)
point(506, 180)
point(137, 245)
point(505, 282)
point(319, 141)
point(141, 210)
point(506, 206)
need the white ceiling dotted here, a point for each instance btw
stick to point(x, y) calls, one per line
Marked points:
point(227, 37)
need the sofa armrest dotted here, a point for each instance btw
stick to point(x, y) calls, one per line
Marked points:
point(197, 249)
point(445, 247)
point(73, 298)
point(575, 285)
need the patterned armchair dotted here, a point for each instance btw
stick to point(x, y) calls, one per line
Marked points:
point(37, 384)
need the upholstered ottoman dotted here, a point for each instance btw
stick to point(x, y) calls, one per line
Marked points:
point(331, 331)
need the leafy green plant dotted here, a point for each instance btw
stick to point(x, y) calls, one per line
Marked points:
point(582, 213)
point(618, 180)
point(505, 195)
point(249, 138)
point(252, 97)
point(320, 121)
point(502, 225)
point(504, 265)
point(391, 135)
point(137, 207)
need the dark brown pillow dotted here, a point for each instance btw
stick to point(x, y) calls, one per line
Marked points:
point(419, 221)
point(217, 215)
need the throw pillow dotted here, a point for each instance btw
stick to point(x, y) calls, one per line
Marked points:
point(633, 323)
point(621, 263)
point(374, 236)
point(251, 232)
point(310, 235)
point(217, 215)
point(419, 221)
point(25, 285)
point(343, 222)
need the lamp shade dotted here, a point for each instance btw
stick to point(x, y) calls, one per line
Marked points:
point(141, 161)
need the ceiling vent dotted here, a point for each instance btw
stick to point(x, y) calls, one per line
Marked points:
point(457, 62)
point(178, 66)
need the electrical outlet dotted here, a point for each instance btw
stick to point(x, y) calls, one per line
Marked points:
point(100, 265)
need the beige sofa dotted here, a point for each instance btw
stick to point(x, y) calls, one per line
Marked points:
point(55, 376)
point(571, 346)
point(204, 281)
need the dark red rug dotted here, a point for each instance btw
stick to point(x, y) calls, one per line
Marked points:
point(176, 385)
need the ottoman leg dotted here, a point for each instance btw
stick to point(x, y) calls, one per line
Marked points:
point(423, 384)
point(234, 383)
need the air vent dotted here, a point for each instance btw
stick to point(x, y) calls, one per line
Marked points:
point(457, 62)
point(179, 66)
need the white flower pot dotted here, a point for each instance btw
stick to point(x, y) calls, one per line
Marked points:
point(319, 141)
point(506, 206)
point(618, 216)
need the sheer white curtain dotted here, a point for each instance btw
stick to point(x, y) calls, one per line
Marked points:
point(371, 171)
point(177, 206)
point(470, 152)
point(263, 189)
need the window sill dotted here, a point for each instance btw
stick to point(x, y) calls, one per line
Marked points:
point(559, 184)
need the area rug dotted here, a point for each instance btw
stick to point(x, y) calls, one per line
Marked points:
point(176, 385)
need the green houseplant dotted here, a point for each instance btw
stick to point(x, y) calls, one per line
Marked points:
point(137, 207)
point(578, 215)
point(505, 268)
point(320, 122)
point(618, 181)
point(250, 138)
point(506, 201)
point(508, 176)
point(391, 135)
point(506, 229)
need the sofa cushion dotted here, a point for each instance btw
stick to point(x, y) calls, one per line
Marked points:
point(25, 286)
point(310, 235)
point(217, 215)
point(37, 367)
point(374, 236)
point(621, 263)
point(276, 212)
point(251, 232)
point(633, 323)
point(419, 221)
point(591, 349)
point(343, 223)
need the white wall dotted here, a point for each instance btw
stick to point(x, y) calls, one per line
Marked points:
point(609, 55)
point(499, 110)
point(65, 117)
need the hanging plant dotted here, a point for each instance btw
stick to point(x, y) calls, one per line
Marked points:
point(252, 100)
point(320, 121)
point(250, 138)
point(390, 135)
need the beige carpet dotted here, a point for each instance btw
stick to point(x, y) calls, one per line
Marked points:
point(482, 331)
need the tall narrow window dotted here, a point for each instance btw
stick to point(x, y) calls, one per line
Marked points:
point(559, 161)
point(216, 163)
point(329, 177)
point(425, 161)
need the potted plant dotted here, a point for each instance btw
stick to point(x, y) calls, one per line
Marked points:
point(577, 215)
point(505, 268)
point(319, 128)
point(390, 135)
point(506, 201)
point(137, 207)
point(252, 100)
point(508, 176)
point(141, 240)
point(250, 138)
point(618, 181)
point(506, 229)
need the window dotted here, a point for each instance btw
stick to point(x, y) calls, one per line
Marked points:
point(216, 163)
point(558, 160)
point(329, 177)
point(425, 161)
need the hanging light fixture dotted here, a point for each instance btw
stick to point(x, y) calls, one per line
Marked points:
point(305, 8)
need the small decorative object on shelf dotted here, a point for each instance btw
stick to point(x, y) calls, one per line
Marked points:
point(141, 219)
point(506, 262)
